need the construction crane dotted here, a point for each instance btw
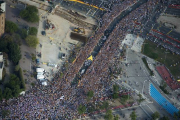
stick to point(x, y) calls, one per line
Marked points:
point(79, 30)
point(79, 1)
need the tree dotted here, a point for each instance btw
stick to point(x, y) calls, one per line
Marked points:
point(140, 98)
point(5, 113)
point(115, 88)
point(7, 94)
point(90, 94)
point(115, 95)
point(108, 115)
point(116, 117)
point(3, 73)
point(105, 105)
point(3, 46)
point(23, 33)
point(10, 27)
point(155, 115)
point(81, 109)
point(33, 31)
point(164, 118)
point(30, 14)
point(22, 86)
point(1, 95)
point(17, 39)
point(16, 91)
point(14, 53)
point(133, 115)
point(8, 38)
point(32, 41)
point(175, 116)
point(17, 68)
point(178, 113)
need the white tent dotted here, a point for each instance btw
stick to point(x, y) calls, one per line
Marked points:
point(40, 73)
point(44, 83)
point(39, 70)
point(40, 76)
point(22, 93)
point(62, 97)
point(42, 80)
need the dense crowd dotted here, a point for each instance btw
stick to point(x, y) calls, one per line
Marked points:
point(60, 100)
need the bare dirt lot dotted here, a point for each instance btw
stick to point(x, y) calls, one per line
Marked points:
point(170, 19)
point(56, 41)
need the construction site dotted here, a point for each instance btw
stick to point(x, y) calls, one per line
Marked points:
point(59, 31)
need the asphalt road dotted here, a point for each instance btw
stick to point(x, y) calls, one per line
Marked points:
point(173, 11)
point(138, 78)
point(107, 32)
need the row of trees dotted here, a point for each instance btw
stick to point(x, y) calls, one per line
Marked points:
point(28, 34)
point(110, 116)
point(13, 87)
point(30, 14)
point(12, 49)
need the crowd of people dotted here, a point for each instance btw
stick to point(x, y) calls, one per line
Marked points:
point(60, 100)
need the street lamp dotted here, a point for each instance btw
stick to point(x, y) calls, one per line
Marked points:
point(143, 86)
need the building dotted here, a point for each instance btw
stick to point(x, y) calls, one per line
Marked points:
point(1, 65)
point(2, 17)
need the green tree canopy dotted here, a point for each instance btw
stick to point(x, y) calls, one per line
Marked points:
point(14, 84)
point(1, 95)
point(133, 115)
point(17, 39)
point(81, 109)
point(14, 53)
point(32, 41)
point(5, 113)
point(108, 115)
point(30, 14)
point(104, 105)
point(33, 31)
point(10, 27)
point(116, 117)
point(17, 68)
point(3, 46)
point(7, 94)
point(164, 118)
point(115, 88)
point(115, 95)
point(23, 33)
point(90, 94)
point(178, 113)
point(155, 115)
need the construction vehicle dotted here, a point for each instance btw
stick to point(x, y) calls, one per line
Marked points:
point(79, 30)
point(49, 25)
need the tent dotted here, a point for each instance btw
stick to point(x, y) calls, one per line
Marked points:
point(40, 73)
point(40, 76)
point(39, 70)
point(90, 58)
point(44, 83)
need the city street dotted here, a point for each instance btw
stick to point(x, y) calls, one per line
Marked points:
point(137, 78)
